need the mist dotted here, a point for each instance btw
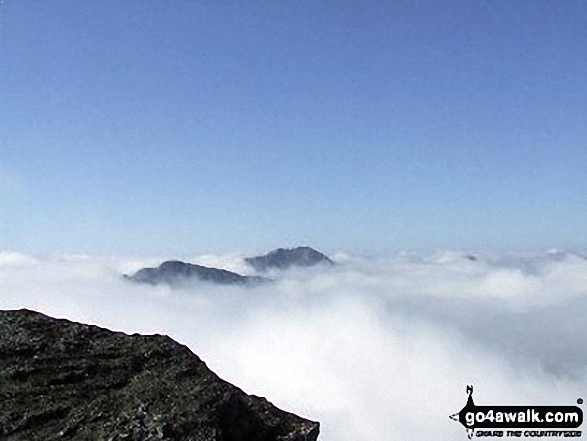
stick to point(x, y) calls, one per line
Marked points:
point(374, 348)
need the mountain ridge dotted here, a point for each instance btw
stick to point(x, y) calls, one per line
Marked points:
point(177, 273)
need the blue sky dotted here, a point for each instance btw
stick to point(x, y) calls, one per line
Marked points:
point(152, 127)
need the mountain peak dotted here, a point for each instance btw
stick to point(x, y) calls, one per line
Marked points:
point(176, 273)
point(284, 258)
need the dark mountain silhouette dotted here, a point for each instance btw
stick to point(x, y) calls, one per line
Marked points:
point(176, 273)
point(286, 258)
point(70, 381)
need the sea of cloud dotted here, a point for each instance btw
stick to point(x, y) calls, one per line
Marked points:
point(373, 347)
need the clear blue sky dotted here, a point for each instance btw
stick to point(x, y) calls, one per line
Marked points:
point(185, 126)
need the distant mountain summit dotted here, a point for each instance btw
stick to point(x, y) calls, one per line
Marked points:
point(283, 258)
point(175, 273)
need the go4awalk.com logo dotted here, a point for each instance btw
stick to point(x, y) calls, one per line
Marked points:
point(518, 421)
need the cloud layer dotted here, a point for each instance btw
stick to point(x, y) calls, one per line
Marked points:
point(373, 348)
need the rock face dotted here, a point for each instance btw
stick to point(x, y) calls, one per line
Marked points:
point(176, 273)
point(61, 380)
point(286, 258)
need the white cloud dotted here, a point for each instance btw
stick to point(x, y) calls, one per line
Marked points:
point(231, 262)
point(376, 348)
point(8, 258)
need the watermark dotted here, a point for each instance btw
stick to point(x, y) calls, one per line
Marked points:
point(518, 421)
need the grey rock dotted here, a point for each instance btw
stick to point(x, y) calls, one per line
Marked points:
point(61, 380)
point(176, 273)
point(284, 258)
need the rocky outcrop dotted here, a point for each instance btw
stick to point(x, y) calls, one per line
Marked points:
point(61, 380)
point(176, 273)
point(285, 258)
